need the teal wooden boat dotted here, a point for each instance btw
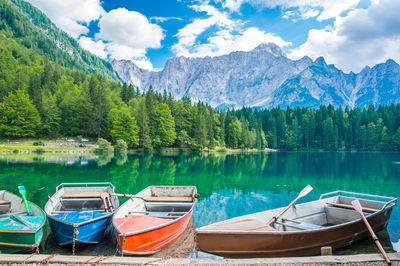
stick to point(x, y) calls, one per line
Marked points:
point(18, 231)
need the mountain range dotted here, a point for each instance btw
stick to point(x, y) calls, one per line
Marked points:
point(265, 77)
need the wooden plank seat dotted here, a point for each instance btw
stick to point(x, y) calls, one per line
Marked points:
point(69, 195)
point(169, 199)
point(245, 225)
point(348, 206)
point(5, 202)
point(299, 225)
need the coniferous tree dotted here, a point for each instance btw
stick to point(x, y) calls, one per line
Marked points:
point(124, 127)
point(18, 116)
point(164, 125)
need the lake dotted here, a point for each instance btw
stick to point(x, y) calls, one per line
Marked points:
point(229, 185)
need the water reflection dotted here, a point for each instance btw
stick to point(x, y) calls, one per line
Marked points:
point(229, 185)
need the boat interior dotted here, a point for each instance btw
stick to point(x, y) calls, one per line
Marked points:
point(318, 214)
point(161, 202)
point(82, 198)
point(5, 205)
point(11, 204)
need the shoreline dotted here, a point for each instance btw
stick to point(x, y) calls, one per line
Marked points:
point(55, 259)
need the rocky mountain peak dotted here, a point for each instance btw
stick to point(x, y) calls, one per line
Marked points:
point(265, 77)
point(270, 48)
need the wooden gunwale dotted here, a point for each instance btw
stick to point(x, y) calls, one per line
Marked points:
point(291, 232)
point(79, 224)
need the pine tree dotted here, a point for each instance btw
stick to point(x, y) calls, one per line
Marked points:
point(124, 127)
point(18, 116)
point(164, 125)
point(51, 116)
point(233, 132)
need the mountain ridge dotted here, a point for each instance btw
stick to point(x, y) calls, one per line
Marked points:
point(264, 77)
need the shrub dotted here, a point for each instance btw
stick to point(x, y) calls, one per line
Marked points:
point(39, 150)
point(121, 147)
point(38, 143)
point(104, 147)
point(220, 149)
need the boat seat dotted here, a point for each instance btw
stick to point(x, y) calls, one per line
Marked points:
point(349, 206)
point(169, 199)
point(5, 202)
point(299, 225)
point(69, 195)
point(245, 225)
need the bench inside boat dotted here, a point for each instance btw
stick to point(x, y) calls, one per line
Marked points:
point(328, 214)
point(81, 201)
point(165, 207)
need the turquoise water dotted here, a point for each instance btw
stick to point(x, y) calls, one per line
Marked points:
point(229, 185)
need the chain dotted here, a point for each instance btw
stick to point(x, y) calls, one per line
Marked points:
point(37, 249)
point(123, 244)
point(195, 248)
point(76, 232)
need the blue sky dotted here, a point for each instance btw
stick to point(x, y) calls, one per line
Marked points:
point(348, 33)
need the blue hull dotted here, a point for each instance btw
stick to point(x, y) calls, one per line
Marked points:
point(90, 232)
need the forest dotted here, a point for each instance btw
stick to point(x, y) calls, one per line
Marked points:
point(46, 92)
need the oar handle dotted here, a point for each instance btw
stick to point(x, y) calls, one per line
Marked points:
point(357, 206)
point(376, 240)
point(378, 244)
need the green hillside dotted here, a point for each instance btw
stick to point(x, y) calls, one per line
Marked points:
point(49, 90)
point(31, 28)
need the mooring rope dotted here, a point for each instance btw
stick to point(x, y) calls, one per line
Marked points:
point(101, 259)
point(27, 258)
point(46, 260)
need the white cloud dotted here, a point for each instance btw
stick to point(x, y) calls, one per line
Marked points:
point(329, 8)
point(363, 37)
point(124, 34)
point(95, 47)
point(129, 28)
point(230, 35)
point(163, 19)
point(144, 63)
point(71, 16)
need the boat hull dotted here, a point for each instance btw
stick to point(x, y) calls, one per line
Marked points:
point(20, 241)
point(18, 231)
point(91, 232)
point(152, 241)
point(236, 244)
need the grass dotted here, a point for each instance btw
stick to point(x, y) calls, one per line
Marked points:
point(50, 147)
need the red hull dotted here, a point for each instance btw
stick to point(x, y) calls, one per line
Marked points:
point(152, 241)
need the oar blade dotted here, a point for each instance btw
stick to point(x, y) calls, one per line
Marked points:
point(22, 190)
point(305, 191)
point(357, 206)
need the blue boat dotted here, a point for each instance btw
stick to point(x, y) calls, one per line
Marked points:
point(80, 213)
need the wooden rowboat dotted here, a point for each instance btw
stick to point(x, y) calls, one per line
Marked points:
point(19, 232)
point(81, 212)
point(153, 219)
point(301, 231)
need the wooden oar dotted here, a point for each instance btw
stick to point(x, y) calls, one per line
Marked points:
point(357, 206)
point(304, 192)
point(109, 203)
point(104, 196)
point(22, 191)
point(127, 196)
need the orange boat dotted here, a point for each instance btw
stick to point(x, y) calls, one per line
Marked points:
point(153, 218)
